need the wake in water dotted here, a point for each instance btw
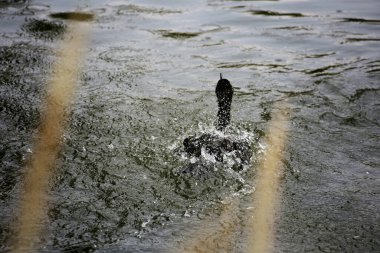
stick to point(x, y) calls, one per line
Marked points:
point(217, 155)
point(210, 173)
point(233, 148)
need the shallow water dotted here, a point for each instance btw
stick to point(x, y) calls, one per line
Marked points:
point(149, 79)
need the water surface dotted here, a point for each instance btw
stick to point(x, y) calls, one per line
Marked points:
point(148, 82)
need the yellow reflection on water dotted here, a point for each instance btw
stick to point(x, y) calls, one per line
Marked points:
point(39, 171)
point(216, 236)
point(268, 191)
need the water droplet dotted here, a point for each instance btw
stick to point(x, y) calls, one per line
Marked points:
point(143, 225)
point(38, 7)
point(186, 214)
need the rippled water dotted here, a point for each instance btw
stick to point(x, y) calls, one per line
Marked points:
point(149, 80)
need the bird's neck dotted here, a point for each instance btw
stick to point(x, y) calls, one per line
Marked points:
point(224, 116)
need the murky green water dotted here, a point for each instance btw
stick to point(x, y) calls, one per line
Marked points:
point(149, 80)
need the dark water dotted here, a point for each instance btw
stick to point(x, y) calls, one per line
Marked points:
point(149, 80)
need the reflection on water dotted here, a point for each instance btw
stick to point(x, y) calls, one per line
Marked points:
point(40, 166)
point(149, 82)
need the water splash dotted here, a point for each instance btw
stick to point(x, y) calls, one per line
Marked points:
point(230, 159)
point(207, 176)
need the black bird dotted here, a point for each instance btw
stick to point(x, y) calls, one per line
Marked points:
point(217, 145)
point(224, 93)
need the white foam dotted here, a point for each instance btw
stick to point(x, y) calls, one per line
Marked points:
point(207, 156)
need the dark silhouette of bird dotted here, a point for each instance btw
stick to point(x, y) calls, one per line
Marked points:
point(218, 145)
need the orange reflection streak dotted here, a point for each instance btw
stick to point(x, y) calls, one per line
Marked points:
point(268, 184)
point(39, 171)
point(217, 236)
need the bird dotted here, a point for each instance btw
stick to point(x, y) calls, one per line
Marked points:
point(224, 92)
point(218, 145)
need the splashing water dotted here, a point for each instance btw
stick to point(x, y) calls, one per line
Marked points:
point(205, 173)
